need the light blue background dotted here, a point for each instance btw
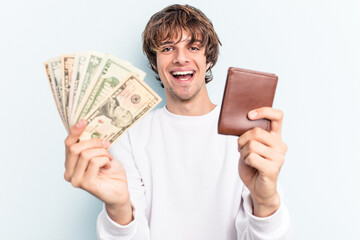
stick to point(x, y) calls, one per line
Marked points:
point(313, 46)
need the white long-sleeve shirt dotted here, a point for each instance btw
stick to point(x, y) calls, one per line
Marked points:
point(184, 184)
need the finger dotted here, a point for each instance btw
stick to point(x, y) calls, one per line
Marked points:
point(75, 133)
point(256, 161)
point(259, 135)
point(75, 150)
point(256, 147)
point(265, 167)
point(93, 169)
point(274, 115)
point(83, 162)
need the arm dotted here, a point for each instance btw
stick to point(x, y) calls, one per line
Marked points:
point(91, 167)
point(138, 228)
point(248, 226)
point(262, 154)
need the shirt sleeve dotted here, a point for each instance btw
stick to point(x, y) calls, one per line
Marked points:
point(138, 228)
point(275, 227)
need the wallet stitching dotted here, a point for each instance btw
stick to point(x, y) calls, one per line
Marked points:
point(224, 105)
point(272, 103)
point(256, 73)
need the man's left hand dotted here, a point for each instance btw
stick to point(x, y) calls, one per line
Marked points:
point(262, 154)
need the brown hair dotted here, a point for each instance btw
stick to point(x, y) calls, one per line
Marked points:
point(169, 22)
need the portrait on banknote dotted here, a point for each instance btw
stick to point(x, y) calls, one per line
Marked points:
point(120, 117)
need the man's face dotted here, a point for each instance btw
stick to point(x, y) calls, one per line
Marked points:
point(182, 68)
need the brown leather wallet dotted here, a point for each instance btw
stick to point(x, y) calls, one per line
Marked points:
point(244, 91)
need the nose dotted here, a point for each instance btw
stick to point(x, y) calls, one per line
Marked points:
point(181, 56)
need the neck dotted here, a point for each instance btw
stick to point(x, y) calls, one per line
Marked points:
point(197, 106)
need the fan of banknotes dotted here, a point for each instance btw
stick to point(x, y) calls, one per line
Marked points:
point(107, 92)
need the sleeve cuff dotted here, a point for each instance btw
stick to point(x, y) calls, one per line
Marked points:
point(109, 229)
point(274, 225)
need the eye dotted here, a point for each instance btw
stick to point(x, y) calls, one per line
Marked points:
point(194, 48)
point(167, 49)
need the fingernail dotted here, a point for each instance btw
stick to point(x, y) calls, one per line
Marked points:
point(253, 114)
point(105, 143)
point(80, 124)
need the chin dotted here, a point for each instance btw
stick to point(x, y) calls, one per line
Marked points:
point(184, 95)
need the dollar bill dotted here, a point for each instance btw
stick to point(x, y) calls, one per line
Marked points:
point(67, 63)
point(111, 73)
point(141, 74)
point(53, 91)
point(126, 104)
point(91, 65)
point(55, 75)
point(79, 64)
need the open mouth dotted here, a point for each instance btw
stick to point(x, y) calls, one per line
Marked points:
point(183, 75)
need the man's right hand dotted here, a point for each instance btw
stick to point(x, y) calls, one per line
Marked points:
point(91, 167)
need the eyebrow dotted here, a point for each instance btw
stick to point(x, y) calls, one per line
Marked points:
point(166, 43)
point(171, 42)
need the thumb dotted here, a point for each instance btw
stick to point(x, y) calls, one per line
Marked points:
point(75, 132)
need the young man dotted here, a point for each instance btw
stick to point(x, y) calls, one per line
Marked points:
point(172, 176)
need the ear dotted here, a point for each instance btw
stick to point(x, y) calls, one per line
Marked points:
point(208, 65)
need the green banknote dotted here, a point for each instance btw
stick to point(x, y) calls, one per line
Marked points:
point(93, 61)
point(127, 103)
point(111, 72)
point(79, 65)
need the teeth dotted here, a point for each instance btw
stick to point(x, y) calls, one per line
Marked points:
point(182, 72)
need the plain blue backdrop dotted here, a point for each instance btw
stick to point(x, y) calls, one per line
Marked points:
point(313, 46)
